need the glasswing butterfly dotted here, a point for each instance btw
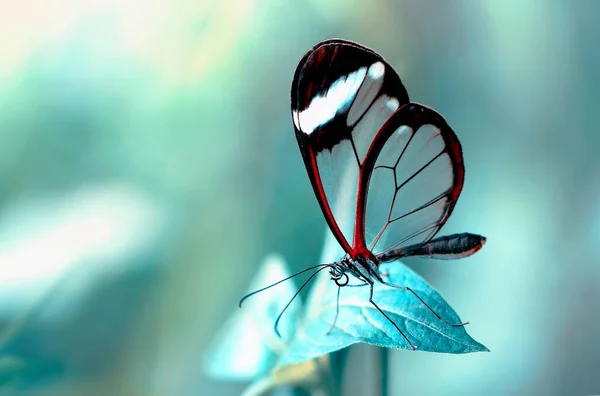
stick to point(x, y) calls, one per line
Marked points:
point(395, 166)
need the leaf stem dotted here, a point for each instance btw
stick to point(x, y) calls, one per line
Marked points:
point(384, 364)
point(338, 365)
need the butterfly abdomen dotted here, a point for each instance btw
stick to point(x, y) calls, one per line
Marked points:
point(445, 247)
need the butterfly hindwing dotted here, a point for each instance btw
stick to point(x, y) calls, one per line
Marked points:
point(413, 175)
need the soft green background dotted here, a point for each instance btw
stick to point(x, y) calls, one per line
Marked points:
point(148, 164)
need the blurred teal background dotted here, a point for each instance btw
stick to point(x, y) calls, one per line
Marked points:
point(148, 164)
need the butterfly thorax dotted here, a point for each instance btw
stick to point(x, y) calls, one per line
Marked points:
point(362, 269)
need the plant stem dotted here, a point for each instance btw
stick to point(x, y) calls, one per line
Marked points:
point(384, 355)
point(338, 364)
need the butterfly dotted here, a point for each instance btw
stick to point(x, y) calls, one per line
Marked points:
point(395, 166)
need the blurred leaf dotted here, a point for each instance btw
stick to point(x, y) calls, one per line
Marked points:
point(310, 374)
point(246, 347)
point(359, 321)
point(307, 373)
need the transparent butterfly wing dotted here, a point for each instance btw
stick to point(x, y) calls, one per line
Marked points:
point(416, 173)
point(342, 94)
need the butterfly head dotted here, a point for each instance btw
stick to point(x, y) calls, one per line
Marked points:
point(339, 271)
point(339, 275)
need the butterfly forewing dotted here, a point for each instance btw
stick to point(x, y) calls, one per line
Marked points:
point(342, 94)
point(414, 175)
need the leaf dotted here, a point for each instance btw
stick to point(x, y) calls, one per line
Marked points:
point(247, 347)
point(309, 374)
point(359, 321)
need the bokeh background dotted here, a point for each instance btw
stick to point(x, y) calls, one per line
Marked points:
point(148, 165)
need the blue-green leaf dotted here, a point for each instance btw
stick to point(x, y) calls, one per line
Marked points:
point(247, 347)
point(359, 321)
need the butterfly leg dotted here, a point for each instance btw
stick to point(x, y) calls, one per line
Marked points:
point(337, 311)
point(359, 285)
point(388, 318)
point(424, 303)
point(337, 304)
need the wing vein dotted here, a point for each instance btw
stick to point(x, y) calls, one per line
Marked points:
point(411, 236)
point(425, 205)
point(420, 170)
point(404, 149)
point(355, 152)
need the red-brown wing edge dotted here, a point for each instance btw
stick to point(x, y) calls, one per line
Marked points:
point(414, 116)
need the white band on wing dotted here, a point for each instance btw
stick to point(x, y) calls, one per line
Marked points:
point(367, 93)
point(323, 108)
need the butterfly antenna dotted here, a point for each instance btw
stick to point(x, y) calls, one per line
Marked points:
point(276, 326)
point(426, 305)
point(281, 281)
point(337, 310)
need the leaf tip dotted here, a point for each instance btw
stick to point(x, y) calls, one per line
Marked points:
point(480, 347)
